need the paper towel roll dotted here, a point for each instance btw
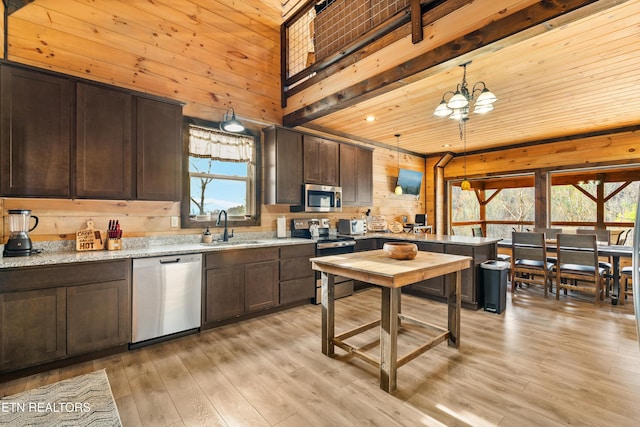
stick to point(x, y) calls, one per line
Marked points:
point(281, 227)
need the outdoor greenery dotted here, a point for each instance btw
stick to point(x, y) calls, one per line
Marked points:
point(568, 204)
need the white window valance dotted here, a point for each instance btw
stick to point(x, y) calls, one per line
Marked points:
point(217, 145)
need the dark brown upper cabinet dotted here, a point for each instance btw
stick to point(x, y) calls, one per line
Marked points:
point(159, 149)
point(125, 146)
point(282, 166)
point(321, 161)
point(103, 142)
point(36, 111)
point(356, 175)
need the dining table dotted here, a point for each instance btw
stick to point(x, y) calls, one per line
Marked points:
point(604, 249)
point(391, 275)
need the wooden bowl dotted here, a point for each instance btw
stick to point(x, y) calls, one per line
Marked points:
point(400, 250)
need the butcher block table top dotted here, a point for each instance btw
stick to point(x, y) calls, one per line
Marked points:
point(391, 275)
point(376, 268)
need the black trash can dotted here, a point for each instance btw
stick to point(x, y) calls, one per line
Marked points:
point(494, 283)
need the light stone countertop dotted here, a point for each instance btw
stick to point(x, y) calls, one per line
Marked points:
point(142, 247)
point(65, 254)
point(432, 238)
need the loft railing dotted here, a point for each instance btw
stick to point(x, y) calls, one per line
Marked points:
point(320, 34)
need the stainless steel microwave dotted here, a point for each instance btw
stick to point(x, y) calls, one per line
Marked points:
point(322, 198)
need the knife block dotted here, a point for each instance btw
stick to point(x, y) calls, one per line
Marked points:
point(114, 244)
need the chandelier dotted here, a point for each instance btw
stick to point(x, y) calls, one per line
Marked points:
point(458, 105)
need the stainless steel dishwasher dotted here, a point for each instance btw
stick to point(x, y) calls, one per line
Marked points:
point(166, 300)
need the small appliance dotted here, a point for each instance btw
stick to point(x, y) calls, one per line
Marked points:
point(19, 243)
point(320, 198)
point(352, 226)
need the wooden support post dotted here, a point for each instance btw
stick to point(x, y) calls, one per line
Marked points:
point(416, 22)
point(328, 313)
point(389, 338)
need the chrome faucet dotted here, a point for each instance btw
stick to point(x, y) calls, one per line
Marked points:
point(225, 235)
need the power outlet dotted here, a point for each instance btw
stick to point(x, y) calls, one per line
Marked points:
point(175, 222)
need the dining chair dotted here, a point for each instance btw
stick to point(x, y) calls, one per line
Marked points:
point(477, 232)
point(577, 267)
point(549, 233)
point(603, 236)
point(529, 261)
point(622, 237)
point(625, 288)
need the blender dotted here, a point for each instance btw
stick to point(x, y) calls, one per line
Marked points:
point(19, 243)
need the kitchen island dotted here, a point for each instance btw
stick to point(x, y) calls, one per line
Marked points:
point(391, 276)
point(481, 249)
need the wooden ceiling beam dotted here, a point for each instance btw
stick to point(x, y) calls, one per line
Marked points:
point(12, 6)
point(410, 71)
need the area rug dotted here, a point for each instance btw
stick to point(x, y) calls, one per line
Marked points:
point(85, 400)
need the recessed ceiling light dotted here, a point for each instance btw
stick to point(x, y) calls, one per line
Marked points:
point(446, 145)
point(370, 119)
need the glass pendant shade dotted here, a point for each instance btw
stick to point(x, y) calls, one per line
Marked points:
point(481, 109)
point(459, 114)
point(465, 185)
point(442, 110)
point(486, 97)
point(458, 100)
point(398, 190)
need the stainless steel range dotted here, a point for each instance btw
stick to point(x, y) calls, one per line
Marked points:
point(318, 229)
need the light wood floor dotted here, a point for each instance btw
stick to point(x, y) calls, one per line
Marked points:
point(542, 362)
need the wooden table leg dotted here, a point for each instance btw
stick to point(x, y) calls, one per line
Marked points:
point(328, 313)
point(389, 338)
point(454, 300)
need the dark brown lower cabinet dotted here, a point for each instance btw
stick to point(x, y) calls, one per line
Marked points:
point(32, 327)
point(98, 316)
point(297, 278)
point(224, 294)
point(239, 282)
point(52, 312)
point(436, 285)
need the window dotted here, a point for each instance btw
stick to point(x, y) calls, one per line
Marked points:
point(221, 175)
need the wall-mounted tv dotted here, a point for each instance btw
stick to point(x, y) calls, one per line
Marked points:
point(410, 181)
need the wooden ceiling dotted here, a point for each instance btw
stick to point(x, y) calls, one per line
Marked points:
point(579, 77)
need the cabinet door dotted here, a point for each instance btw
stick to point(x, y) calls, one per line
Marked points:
point(349, 175)
point(364, 161)
point(261, 287)
point(356, 176)
point(321, 161)
point(98, 316)
point(469, 286)
point(224, 294)
point(103, 143)
point(32, 327)
point(283, 167)
point(35, 133)
point(158, 149)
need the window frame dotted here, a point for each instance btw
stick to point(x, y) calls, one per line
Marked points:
point(256, 183)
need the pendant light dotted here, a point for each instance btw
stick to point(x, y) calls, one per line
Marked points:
point(230, 123)
point(398, 189)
